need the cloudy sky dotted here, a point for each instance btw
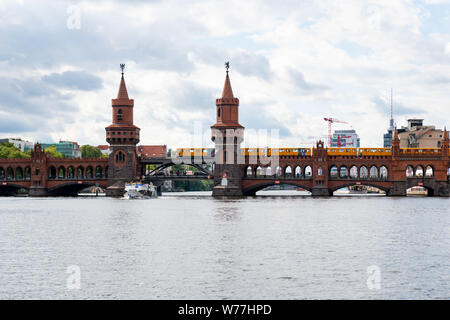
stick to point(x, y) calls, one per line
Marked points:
point(293, 62)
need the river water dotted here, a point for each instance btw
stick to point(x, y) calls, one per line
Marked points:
point(191, 246)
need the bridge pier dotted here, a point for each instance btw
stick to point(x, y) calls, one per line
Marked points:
point(38, 192)
point(117, 189)
point(321, 192)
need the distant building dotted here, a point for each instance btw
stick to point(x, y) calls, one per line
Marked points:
point(416, 135)
point(69, 149)
point(158, 151)
point(104, 148)
point(345, 138)
point(23, 145)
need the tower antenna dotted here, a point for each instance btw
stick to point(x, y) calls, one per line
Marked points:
point(391, 122)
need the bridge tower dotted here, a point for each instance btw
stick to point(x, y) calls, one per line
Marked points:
point(39, 172)
point(122, 136)
point(320, 171)
point(227, 135)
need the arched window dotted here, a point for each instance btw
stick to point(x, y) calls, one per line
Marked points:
point(52, 172)
point(363, 172)
point(19, 173)
point(354, 172)
point(373, 172)
point(89, 172)
point(80, 172)
point(319, 171)
point(429, 171)
point(383, 172)
point(419, 171)
point(249, 172)
point(2, 173)
point(333, 171)
point(61, 173)
point(259, 171)
point(278, 171)
point(308, 171)
point(288, 172)
point(27, 173)
point(119, 115)
point(120, 157)
point(218, 112)
point(343, 172)
point(298, 172)
point(99, 172)
point(409, 171)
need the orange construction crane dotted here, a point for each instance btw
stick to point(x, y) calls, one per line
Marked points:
point(330, 121)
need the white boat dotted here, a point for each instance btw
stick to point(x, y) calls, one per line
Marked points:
point(139, 190)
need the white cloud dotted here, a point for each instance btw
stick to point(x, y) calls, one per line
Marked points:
point(294, 62)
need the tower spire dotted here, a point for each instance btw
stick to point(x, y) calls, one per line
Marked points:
point(122, 94)
point(227, 91)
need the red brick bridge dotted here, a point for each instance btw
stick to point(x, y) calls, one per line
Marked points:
point(320, 173)
point(43, 175)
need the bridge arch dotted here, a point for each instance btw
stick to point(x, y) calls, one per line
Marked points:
point(351, 184)
point(72, 188)
point(11, 189)
point(251, 190)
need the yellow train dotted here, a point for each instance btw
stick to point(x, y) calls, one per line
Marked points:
point(374, 151)
point(276, 151)
point(420, 151)
point(209, 152)
point(342, 151)
point(195, 152)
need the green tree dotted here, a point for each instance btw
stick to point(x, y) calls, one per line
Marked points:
point(53, 152)
point(9, 151)
point(88, 151)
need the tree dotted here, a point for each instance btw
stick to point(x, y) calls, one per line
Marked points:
point(88, 151)
point(9, 151)
point(53, 152)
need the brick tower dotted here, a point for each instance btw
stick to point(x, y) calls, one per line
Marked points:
point(122, 136)
point(227, 134)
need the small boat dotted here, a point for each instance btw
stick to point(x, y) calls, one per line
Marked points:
point(139, 190)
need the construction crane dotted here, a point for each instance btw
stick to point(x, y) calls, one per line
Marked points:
point(330, 121)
